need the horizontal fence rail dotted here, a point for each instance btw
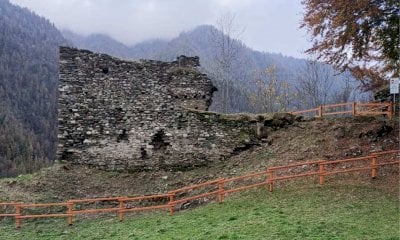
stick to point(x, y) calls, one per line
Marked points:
point(351, 108)
point(216, 188)
point(5, 205)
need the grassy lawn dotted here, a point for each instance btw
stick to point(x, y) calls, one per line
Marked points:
point(338, 210)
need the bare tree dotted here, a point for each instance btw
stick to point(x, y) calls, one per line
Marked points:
point(226, 57)
point(314, 85)
point(272, 94)
point(347, 93)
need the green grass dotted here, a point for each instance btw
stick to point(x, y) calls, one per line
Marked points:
point(334, 211)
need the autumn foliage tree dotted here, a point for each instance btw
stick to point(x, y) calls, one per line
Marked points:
point(272, 94)
point(357, 35)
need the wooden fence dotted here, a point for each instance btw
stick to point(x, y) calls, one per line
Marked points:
point(205, 191)
point(351, 108)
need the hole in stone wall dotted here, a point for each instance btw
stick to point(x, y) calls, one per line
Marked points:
point(65, 155)
point(143, 153)
point(123, 136)
point(159, 140)
point(105, 70)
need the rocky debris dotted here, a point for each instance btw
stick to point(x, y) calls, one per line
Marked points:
point(280, 120)
point(340, 132)
point(375, 132)
point(193, 203)
point(264, 126)
point(353, 151)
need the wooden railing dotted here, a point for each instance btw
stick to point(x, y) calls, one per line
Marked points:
point(218, 188)
point(352, 108)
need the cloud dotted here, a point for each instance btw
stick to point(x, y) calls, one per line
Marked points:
point(269, 25)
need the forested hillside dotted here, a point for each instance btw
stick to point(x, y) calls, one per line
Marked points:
point(247, 80)
point(28, 90)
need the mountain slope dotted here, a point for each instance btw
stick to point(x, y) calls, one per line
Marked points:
point(28, 89)
point(238, 88)
point(98, 43)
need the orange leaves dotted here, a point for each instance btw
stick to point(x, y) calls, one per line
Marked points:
point(355, 34)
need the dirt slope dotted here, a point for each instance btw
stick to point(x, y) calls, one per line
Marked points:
point(302, 141)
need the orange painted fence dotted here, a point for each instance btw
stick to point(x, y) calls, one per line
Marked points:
point(351, 108)
point(217, 189)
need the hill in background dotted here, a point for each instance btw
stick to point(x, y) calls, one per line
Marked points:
point(28, 89)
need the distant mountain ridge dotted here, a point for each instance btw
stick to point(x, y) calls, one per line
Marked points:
point(98, 43)
point(200, 41)
point(195, 41)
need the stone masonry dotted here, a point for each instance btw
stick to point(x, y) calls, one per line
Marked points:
point(135, 116)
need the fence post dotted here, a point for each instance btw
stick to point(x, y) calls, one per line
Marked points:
point(121, 209)
point(321, 173)
point(220, 190)
point(171, 203)
point(320, 111)
point(373, 166)
point(390, 110)
point(353, 108)
point(18, 216)
point(70, 206)
point(271, 179)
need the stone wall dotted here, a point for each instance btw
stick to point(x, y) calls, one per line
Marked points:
point(122, 115)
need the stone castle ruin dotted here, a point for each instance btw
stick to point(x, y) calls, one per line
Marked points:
point(125, 115)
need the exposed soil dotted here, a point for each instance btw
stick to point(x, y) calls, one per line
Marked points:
point(302, 141)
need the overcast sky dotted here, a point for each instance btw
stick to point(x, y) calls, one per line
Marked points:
point(269, 25)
